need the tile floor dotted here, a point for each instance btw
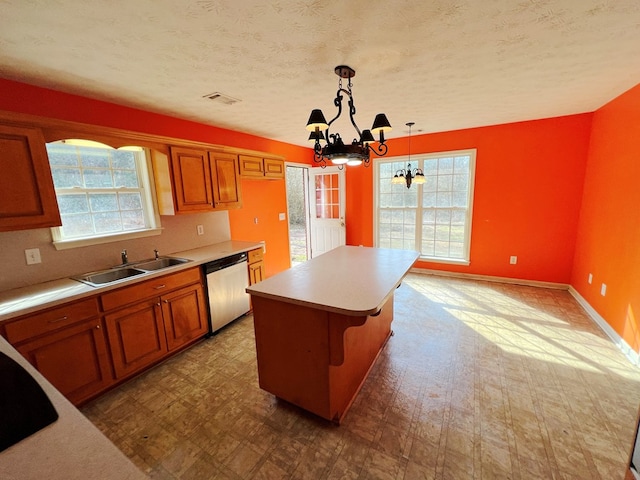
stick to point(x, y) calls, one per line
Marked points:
point(480, 381)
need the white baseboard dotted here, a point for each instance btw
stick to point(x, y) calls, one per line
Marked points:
point(488, 278)
point(624, 347)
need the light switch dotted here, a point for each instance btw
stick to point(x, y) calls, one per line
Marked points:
point(513, 259)
point(281, 216)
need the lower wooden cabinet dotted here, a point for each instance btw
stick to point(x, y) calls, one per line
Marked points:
point(151, 325)
point(136, 336)
point(256, 266)
point(74, 359)
point(184, 315)
point(144, 323)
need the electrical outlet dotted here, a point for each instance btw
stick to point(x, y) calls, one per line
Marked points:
point(281, 216)
point(255, 220)
point(33, 256)
point(513, 259)
point(590, 280)
point(200, 229)
point(603, 289)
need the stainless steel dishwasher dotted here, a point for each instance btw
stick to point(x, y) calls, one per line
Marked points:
point(227, 280)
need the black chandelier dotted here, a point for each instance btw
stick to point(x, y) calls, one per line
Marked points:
point(335, 150)
point(408, 176)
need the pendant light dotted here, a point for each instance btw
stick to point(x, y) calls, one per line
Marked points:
point(409, 176)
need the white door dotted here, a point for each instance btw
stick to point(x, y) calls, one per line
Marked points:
point(326, 205)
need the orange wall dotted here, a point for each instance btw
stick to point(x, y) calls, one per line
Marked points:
point(528, 186)
point(608, 241)
point(266, 200)
point(23, 98)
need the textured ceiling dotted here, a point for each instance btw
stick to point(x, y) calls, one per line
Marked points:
point(443, 64)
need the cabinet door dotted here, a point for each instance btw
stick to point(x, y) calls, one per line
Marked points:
point(26, 186)
point(74, 360)
point(225, 180)
point(185, 316)
point(251, 166)
point(273, 168)
point(256, 272)
point(192, 179)
point(136, 335)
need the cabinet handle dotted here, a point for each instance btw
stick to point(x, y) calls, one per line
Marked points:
point(166, 301)
point(158, 304)
point(159, 287)
point(61, 319)
point(97, 327)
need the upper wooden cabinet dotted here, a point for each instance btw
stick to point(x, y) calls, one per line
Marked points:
point(191, 179)
point(224, 180)
point(259, 167)
point(197, 180)
point(26, 186)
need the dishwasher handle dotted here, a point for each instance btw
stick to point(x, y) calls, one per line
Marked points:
point(225, 262)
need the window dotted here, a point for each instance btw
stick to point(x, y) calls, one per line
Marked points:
point(433, 218)
point(103, 193)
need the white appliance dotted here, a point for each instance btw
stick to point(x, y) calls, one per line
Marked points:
point(227, 280)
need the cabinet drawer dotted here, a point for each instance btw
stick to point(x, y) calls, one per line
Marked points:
point(149, 288)
point(51, 319)
point(255, 255)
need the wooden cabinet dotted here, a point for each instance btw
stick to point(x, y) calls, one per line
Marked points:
point(136, 335)
point(191, 180)
point(224, 180)
point(26, 186)
point(67, 345)
point(255, 260)
point(154, 317)
point(259, 167)
point(201, 180)
point(184, 314)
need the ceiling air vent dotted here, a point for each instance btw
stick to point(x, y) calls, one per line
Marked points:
point(222, 98)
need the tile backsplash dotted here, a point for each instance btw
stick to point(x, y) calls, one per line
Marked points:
point(179, 233)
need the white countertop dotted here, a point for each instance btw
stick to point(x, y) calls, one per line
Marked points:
point(347, 280)
point(20, 301)
point(70, 448)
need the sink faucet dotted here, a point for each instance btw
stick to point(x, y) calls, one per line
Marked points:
point(155, 253)
point(124, 257)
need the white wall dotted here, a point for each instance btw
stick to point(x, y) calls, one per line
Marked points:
point(180, 233)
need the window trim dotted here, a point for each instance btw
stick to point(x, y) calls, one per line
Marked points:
point(150, 211)
point(417, 160)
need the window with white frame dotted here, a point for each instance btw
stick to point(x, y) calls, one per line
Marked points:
point(433, 218)
point(103, 194)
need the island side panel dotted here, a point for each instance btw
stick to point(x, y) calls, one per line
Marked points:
point(361, 345)
point(293, 353)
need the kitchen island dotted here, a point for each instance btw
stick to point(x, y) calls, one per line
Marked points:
point(321, 325)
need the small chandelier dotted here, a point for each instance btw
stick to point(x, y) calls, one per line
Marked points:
point(409, 176)
point(335, 150)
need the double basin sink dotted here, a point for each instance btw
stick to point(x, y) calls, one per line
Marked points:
point(117, 274)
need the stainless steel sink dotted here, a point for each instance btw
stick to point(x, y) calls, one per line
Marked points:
point(161, 262)
point(122, 273)
point(108, 276)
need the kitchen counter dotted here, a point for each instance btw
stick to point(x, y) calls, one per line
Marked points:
point(20, 301)
point(320, 326)
point(347, 280)
point(70, 448)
